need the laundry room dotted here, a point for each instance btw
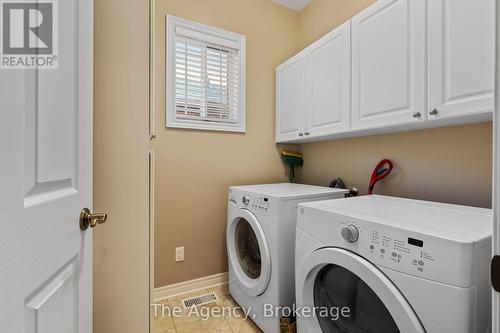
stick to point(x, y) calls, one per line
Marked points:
point(239, 166)
point(310, 155)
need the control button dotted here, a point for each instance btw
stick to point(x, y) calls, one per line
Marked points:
point(382, 250)
point(399, 255)
point(414, 261)
point(372, 247)
point(420, 263)
point(350, 233)
point(245, 200)
point(394, 254)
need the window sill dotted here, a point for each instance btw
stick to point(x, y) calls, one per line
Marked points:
point(206, 126)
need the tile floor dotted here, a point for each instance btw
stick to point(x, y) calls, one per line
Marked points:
point(222, 316)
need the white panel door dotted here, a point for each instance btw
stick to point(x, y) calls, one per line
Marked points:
point(46, 180)
point(388, 64)
point(461, 57)
point(328, 87)
point(290, 99)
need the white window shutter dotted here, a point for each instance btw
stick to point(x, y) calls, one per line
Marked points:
point(206, 79)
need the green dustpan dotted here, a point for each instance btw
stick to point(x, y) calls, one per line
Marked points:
point(292, 162)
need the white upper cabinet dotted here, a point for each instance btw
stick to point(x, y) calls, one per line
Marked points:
point(388, 64)
point(313, 89)
point(461, 57)
point(398, 65)
point(328, 81)
point(290, 99)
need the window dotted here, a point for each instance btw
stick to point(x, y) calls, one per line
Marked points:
point(205, 77)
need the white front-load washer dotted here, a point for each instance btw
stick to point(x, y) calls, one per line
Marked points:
point(392, 265)
point(261, 246)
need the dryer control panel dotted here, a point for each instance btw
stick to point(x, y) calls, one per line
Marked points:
point(261, 204)
point(255, 203)
point(409, 252)
point(278, 199)
point(434, 241)
point(393, 247)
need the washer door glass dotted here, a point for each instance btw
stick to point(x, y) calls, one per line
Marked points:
point(336, 286)
point(247, 248)
point(248, 252)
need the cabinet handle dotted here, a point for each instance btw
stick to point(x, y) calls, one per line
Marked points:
point(434, 112)
point(306, 133)
point(301, 134)
point(417, 114)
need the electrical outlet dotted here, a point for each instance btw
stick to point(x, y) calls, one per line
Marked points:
point(179, 254)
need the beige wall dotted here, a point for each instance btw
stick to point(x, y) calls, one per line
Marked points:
point(195, 168)
point(121, 246)
point(322, 16)
point(448, 164)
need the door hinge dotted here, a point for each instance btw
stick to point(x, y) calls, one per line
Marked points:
point(495, 273)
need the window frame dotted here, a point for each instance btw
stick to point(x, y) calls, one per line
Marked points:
point(172, 121)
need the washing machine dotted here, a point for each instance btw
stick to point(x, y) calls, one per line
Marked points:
point(378, 264)
point(261, 246)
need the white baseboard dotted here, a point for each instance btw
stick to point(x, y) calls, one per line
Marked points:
point(189, 286)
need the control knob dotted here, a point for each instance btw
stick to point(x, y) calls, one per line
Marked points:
point(350, 233)
point(245, 200)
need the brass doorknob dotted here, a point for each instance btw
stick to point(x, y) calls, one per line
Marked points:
point(88, 219)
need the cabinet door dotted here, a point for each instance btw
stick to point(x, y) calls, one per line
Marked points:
point(461, 57)
point(290, 99)
point(388, 64)
point(328, 83)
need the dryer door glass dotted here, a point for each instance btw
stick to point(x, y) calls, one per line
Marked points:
point(247, 248)
point(336, 287)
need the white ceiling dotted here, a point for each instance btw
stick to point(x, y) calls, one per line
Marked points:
point(297, 5)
